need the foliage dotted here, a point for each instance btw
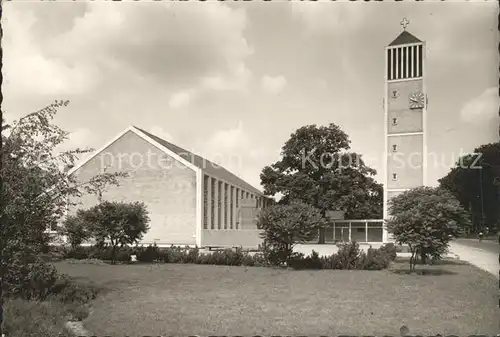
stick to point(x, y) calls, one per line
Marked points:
point(317, 168)
point(475, 182)
point(36, 191)
point(116, 224)
point(390, 249)
point(374, 259)
point(75, 230)
point(349, 256)
point(426, 219)
point(36, 188)
point(150, 254)
point(286, 225)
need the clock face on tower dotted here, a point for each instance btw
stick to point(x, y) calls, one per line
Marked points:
point(417, 100)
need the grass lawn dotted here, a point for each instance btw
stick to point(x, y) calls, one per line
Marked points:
point(170, 299)
point(41, 319)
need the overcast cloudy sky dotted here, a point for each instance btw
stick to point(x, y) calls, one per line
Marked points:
point(236, 79)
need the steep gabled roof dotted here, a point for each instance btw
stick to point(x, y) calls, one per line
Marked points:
point(204, 164)
point(404, 38)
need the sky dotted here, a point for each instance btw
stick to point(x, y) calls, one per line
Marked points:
point(231, 81)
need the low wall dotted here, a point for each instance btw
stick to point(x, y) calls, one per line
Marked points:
point(231, 238)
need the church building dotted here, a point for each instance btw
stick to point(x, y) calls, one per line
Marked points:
point(405, 106)
point(190, 200)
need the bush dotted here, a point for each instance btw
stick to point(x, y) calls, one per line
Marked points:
point(173, 254)
point(40, 281)
point(284, 226)
point(123, 255)
point(116, 223)
point(192, 255)
point(390, 249)
point(79, 252)
point(150, 254)
point(347, 256)
point(31, 281)
point(374, 259)
point(75, 229)
point(298, 261)
point(69, 291)
point(426, 219)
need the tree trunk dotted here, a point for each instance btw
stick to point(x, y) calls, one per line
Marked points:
point(321, 231)
point(423, 257)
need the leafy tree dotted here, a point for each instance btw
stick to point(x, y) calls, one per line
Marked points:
point(116, 224)
point(35, 189)
point(317, 168)
point(426, 219)
point(475, 182)
point(75, 230)
point(286, 225)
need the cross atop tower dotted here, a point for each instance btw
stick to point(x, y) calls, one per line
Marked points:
point(405, 22)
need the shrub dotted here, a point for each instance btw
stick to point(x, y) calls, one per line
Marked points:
point(39, 281)
point(79, 252)
point(286, 225)
point(173, 254)
point(192, 255)
point(75, 229)
point(123, 255)
point(347, 256)
point(389, 249)
point(32, 281)
point(69, 291)
point(426, 219)
point(313, 261)
point(373, 259)
point(116, 224)
point(150, 254)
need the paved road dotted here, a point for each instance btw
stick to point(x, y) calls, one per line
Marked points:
point(483, 255)
point(487, 245)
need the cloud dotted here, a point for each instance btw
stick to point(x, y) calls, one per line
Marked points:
point(482, 109)
point(323, 18)
point(158, 45)
point(179, 100)
point(28, 70)
point(273, 85)
point(160, 132)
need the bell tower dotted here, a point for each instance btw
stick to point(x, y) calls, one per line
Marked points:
point(405, 106)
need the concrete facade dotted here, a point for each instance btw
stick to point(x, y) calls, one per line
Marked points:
point(190, 200)
point(405, 106)
point(166, 186)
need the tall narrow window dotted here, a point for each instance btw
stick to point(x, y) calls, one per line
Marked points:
point(403, 63)
point(231, 208)
point(205, 201)
point(394, 65)
point(415, 60)
point(219, 203)
point(420, 63)
point(400, 62)
point(225, 205)
point(212, 221)
point(389, 64)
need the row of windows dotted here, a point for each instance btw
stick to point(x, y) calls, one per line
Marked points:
point(404, 62)
point(228, 201)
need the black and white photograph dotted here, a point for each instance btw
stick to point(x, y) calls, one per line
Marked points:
point(249, 168)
